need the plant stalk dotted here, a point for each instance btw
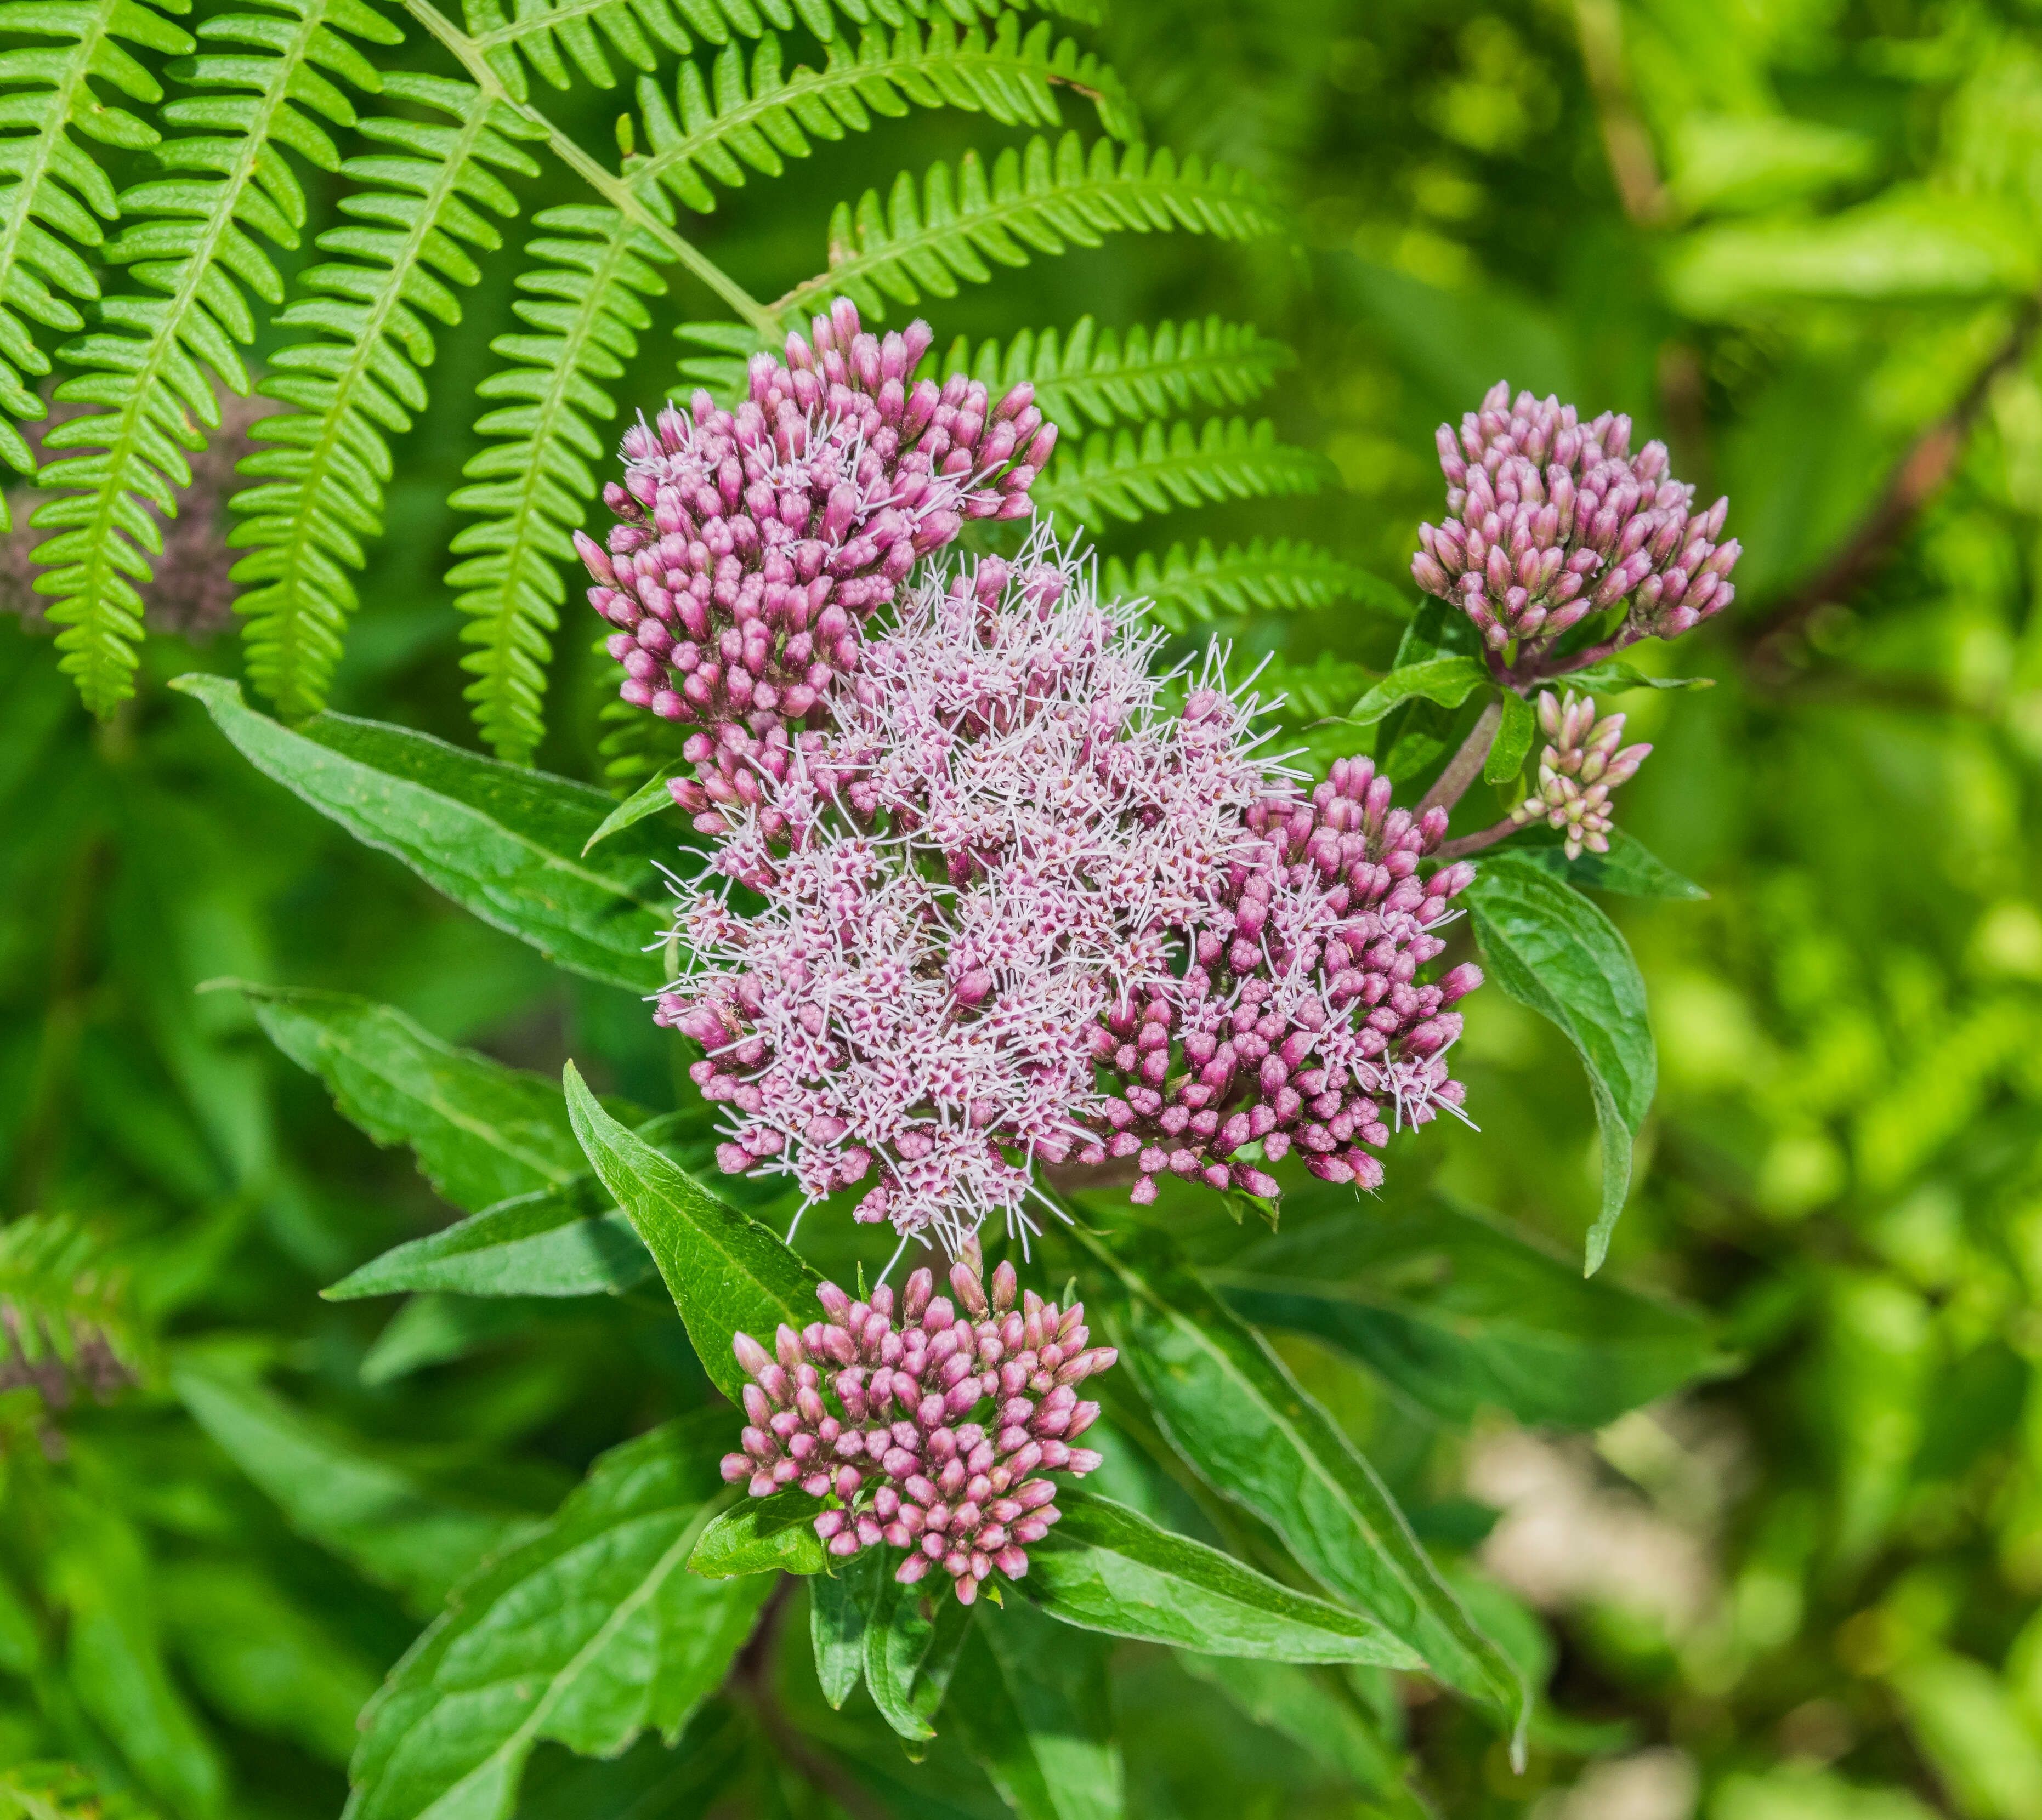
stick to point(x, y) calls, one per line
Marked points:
point(1465, 764)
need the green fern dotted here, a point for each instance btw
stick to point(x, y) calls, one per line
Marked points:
point(1116, 474)
point(64, 1315)
point(147, 364)
point(550, 36)
point(321, 493)
point(1188, 588)
point(587, 301)
point(1034, 200)
point(1091, 373)
point(715, 128)
point(54, 189)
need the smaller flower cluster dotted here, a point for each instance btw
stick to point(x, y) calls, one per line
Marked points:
point(933, 1436)
point(1553, 520)
point(1577, 770)
point(755, 543)
point(1299, 1015)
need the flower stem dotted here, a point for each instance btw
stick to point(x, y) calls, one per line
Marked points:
point(1465, 764)
point(1474, 843)
point(618, 192)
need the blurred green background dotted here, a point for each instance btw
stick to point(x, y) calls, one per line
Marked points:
point(1801, 241)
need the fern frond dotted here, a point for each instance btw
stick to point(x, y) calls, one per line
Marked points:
point(320, 490)
point(1034, 200)
point(586, 299)
point(716, 127)
point(64, 1315)
point(721, 357)
point(1117, 476)
point(56, 188)
point(1091, 373)
point(550, 34)
point(1193, 587)
point(196, 244)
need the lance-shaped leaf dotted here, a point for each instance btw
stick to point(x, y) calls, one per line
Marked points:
point(394, 1527)
point(1232, 1409)
point(588, 1633)
point(1105, 1567)
point(1447, 680)
point(1630, 868)
point(1514, 736)
point(727, 1273)
point(1308, 1708)
point(558, 1241)
point(762, 1535)
point(1459, 1312)
point(1034, 1705)
point(912, 1643)
point(840, 1607)
point(502, 841)
point(1548, 947)
point(483, 1132)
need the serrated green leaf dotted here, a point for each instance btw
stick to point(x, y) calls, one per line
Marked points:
point(1629, 868)
point(1446, 681)
point(563, 1241)
point(1613, 676)
point(1514, 735)
point(1461, 1313)
point(840, 1607)
point(1548, 948)
point(1034, 1705)
point(911, 1645)
point(1308, 1708)
point(726, 1272)
point(395, 1529)
point(1232, 1409)
point(503, 842)
point(649, 799)
point(1107, 1568)
point(587, 1633)
point(762, 1535)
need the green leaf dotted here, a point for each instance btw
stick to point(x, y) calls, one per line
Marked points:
point(435, 1329)
point(482, 1132)
point(648, 799)
point(503, 843)
point(1232, 1409)
point(381, 1518)
point(840, 1607)
point(1461, 1313)
point(1629, 868)
point(911, 1645)
point(1514, 736)
point(1447, 680)
point(1548, 948)
point(1105, 1567)
point(62, 1792)
point(560, 1241)
point(587, 1633)
point(1308, 1706)
point(1613, 676)
point(727, 1273)
point(762, 1535)
point(1034, 1705)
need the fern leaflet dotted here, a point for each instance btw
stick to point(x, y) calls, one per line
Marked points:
point(538, 32)
point(1193, 587)
point(63, 1316)
point(1115, 475)
point(1091, 373)
point(587, 301)
point(56, 188)
point(717, 127)
point(147, 362)
point(320, 491)
point(1034, 200)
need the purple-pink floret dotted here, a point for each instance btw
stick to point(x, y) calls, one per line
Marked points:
point(933, 1436)
point(1553, 519)
point(755, 543)
point(1302, 1021)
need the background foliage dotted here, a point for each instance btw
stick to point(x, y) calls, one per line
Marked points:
point(1797, 240)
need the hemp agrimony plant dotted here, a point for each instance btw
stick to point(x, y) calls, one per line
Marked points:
point(1001, 908)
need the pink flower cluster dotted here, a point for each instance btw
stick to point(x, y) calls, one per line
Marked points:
point(1300, 1017)
point(1578, 769)
point(755, 543)
point(1553, 519)
point(1003, 837)
point(1016, 910)
point(892, 1425)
